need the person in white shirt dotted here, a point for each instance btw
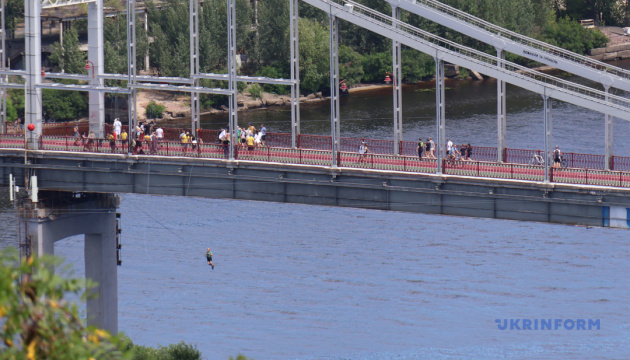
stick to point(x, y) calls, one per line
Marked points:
point(117, 128)
point(449, 147)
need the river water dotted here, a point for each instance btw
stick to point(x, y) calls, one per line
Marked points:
point(312, 282)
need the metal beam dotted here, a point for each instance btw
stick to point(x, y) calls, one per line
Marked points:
point(335, 119)
point(47, 4)
point(195, 108)
point(96, 59)
point(476, 60)
point(608, 139)
point(131, 70)
point(548, 135)
point(233, 108)
point(516, 43)
point(33, 55)
point(167, 87)
point(88, 88)
point(501, 112)
point(295, 71)
point(440, 112)
point(3, 77)
point(397, 89)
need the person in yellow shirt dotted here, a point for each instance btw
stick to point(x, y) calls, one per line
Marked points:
point(250, 142)
point(123, 137)
point(185, 141)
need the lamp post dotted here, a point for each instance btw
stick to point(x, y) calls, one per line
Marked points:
point(89, 65)
point(389, 79)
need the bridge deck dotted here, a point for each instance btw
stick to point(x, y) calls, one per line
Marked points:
point(319, 154)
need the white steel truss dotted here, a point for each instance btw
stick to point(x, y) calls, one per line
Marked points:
point(47, 4)
point(454, 53)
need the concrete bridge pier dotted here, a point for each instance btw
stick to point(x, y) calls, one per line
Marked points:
point(59, 215)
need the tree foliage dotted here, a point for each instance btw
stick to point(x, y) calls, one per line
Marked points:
point(154, 110)
point(67, 56)
point(38, 323)
point(64, 105)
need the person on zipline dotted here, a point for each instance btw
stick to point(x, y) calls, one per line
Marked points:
point(209, 258)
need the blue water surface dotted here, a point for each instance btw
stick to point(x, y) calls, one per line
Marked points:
point(312, 282)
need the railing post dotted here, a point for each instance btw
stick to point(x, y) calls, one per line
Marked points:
point(67, 146)
point(269, 155)
point(371, 161)
point(300, 155)
point(620, 179)
point(478, 170)
point(511, 171)
point(167, 148)
point(551, 173)
point(339, 158)
point(404, 161)
point(299, 143)
point(612, 162)
point(586, 177)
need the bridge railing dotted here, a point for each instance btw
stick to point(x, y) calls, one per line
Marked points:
point(591, 177)
point(476, 168)
point(14, 141)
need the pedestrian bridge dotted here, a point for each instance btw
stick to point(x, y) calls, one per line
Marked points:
point(476, 187)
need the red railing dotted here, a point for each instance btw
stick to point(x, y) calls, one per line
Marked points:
point(207, 148)
point(12, 141)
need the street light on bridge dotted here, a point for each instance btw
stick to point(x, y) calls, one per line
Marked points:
point(89, 65)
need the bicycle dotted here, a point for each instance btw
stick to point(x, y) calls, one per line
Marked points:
point(537, 160)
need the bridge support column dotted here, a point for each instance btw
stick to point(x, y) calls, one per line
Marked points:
point(131, 70)
point(33, 57)
point(295, 71)
point(397, 64)
point(548, 134)
point(3, 78)
point(440, 113)
point(95, 216)
point(501, 112)
point(194, 66)
point(334, 88)
point(96, 56)
point(231, 30)
point(608, 137)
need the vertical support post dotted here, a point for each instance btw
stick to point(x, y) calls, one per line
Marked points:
point(440, 113)
point(608, 136)
point(334, 87)
point(501, 110)
point(3, 78)
point(131, 69)
point(61, 32)
point(397, 64)
point(33, 55)
point(194, 65)
point(147, 64)
point(295, 70)
point(548, 134)
point(96, 54)
point(231, 24)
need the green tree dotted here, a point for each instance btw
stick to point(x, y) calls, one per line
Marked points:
point(314, 56)
point(274, 73)
point(350, 66)
point(376, 65)
point(37, 322)
point(64, 105)
point(155, 110)
point(115, 44)
point(273, 32)
point(68, 57)
point(569, 35)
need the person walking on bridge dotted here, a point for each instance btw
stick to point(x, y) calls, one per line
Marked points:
point(117, 128)
point(209, 258)
point(420, 149)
